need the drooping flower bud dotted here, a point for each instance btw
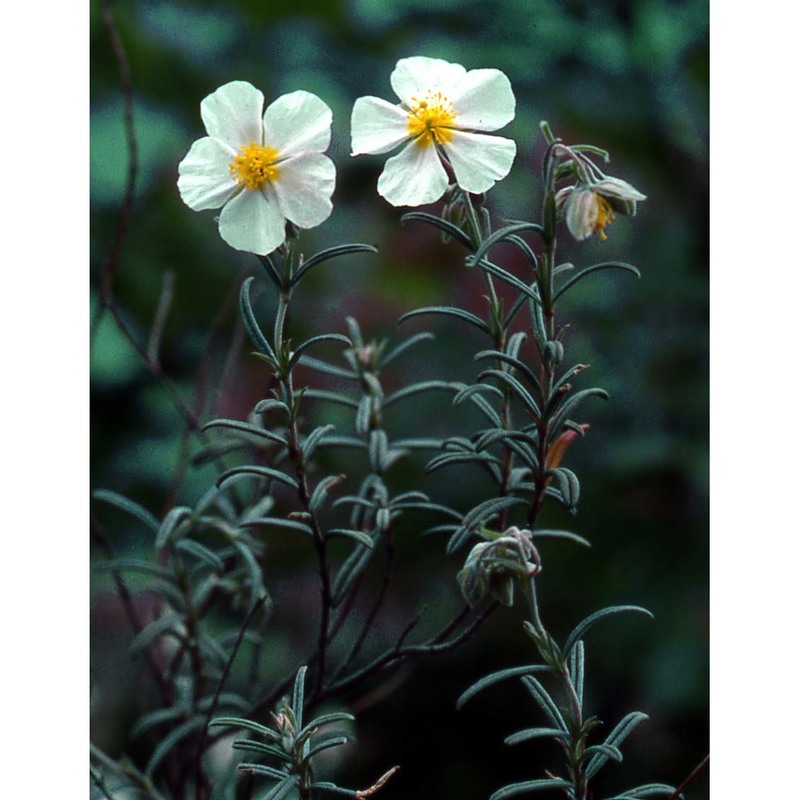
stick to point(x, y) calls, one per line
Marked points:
point(492, 566)
point(591, 208)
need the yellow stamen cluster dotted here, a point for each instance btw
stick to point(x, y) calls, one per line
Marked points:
point(605, 216)
point(255, 166)
point(431, 119)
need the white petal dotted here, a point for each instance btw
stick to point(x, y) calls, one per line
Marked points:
point(484, 100)
point(204, 176)
point(581, 213)
point(414, 177)
point(253, 222)
point(478, 160)
point(412, 77)
point(304, 188)
point(298, 122)
point(615, 187)
point(232, 114)
point(377, 126)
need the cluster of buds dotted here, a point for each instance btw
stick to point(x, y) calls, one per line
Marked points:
point(493, 566)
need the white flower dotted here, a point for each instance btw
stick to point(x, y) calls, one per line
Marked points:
point(261, 167)
point(442, 105)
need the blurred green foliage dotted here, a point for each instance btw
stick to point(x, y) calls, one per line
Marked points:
point(628, 75)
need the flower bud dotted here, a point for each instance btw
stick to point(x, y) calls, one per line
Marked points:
point(591, 208)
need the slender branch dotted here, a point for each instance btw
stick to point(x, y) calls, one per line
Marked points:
point(111, 263)
point(436, 644)
point(257, 606)
point(129, 607)
point(690, 778)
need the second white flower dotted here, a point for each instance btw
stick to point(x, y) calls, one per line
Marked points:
point(443, 112)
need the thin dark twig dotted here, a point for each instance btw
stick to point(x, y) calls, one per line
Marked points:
point(375, 610)
point(437, 644)
point(690, 778)
point(131, 613)
point(201, 393)
point(213, 707)
point(160, 317)
point(111, 263)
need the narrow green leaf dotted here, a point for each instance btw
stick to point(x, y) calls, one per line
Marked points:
point(278, 522)
point(169, 741)
point(352, 567)
point(169, 622)
point(202, 553)
point(298, 694)
point(246, 427)
point(647, 790)
point(328, 254)
point(526, 249)
point(251, 323)
point(491, 436)
point(545, 702)
point(262, 769)
point(324, 337)
point(282, 789)
point(260, 747)
point(417, 388)
point(325, 719)
point(546, 533)
point(328, 369)
point(247, 724)
point(401, 348)
point(150, 720)
point(332, 397)
point(566, 481)
point(272, 404)
point(483, 459)
point(314, 439)
point(271, 270)
point(128, 506)
point(523, 368)
point(256, 471)
point(607, 750)
point(473, 393)
point(535, 733)
point(321, 490)
point(511, 280)
point(595, 268)
point(451, 311)
point(519, 390)
point(581, 628)
point(577, 665)
point(253, 572)
point(134, 565)
point(570, 373)
point(334, 741)
point(487, 509)
point(437, 222)
point(614, 739)
point(530, 786)
point(501, 235)
point(347, 533)
point(171, 525)
point(569, 404)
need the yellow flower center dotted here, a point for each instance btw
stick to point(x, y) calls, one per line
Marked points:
point(431, 119)
point(605, 216)
point(255, 165)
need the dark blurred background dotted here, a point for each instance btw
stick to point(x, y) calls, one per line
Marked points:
point(627, 75)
